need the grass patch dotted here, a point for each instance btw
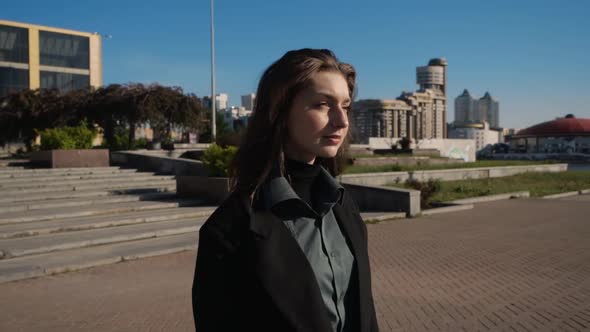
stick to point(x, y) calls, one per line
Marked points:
point(385, 155)
point(538, 184)
point(356, 169)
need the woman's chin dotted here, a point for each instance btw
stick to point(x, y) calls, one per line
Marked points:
point(328, 152)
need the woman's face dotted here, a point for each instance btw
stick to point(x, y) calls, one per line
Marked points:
point(318, 119)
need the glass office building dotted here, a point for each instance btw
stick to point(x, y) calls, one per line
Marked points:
point(33, 56)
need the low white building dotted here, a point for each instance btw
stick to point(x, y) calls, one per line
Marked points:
point(479, 132)
point(236, 117)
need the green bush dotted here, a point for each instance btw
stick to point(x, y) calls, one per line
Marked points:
point(65, 138)
point(217, 159)
point(427, 189)
point(120, 141)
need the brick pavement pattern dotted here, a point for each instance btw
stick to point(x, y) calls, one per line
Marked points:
point(519, 265)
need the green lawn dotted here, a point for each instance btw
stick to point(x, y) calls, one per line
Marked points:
point(355, 169)
point(538, 184)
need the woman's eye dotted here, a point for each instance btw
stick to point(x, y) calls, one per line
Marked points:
point(322, 105)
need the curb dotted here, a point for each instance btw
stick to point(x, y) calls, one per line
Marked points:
point(384, 216)
point(446, 209)
point(491, 198)
point(567, 194)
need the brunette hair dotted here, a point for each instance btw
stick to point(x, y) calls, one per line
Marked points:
point(262, 146)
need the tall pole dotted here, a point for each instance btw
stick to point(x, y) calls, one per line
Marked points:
point(213, 99)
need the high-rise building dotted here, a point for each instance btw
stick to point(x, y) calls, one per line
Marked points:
point(471, 110)
point(221, 101)
point(464, 108)
point(416, 115)
point(34, 56)
point(488, 109)
point(248, 101)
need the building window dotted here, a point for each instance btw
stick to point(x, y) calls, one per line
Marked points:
point(13, 80)
point(62, 50)
point(14, 44)
point(64, 81)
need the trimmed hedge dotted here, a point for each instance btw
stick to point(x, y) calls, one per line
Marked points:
point(67, 138)
point(217, 159)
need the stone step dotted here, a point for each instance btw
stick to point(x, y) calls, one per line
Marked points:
point(61, 170)
point(98, 209)
point(12, 162)
point(82, 182)
point(39, 174)
point(98, 186)
point(11, 248)
point(81, 176)
point(55, 195)
point(77, 259)
point(102, 221)
point(69, 202)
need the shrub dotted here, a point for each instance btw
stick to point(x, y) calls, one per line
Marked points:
point(217, 159)
point(427, 189)
point(120, 141)
point(79, 137)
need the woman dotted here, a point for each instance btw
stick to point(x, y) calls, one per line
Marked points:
point(287, 250)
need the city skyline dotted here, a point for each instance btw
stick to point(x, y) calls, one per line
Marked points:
point(531, 55)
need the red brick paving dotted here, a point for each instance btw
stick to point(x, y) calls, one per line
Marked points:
point(519, 265)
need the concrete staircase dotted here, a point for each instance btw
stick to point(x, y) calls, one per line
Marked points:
point(58, 220)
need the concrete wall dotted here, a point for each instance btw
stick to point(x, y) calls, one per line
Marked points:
point(159, 164)
point(450, 148)
point(380, 179)
point(404, 161)
point(374, 179)
point(377, 198)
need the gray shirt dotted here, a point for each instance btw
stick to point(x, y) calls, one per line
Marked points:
point(321, 240)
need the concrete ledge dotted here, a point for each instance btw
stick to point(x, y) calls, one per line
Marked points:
point(71, 158)
point(584, 191)
point(386, 199)
point(159, 164)
point(382, 216)
point(445, 209)
point(374, 179)
point(561, 195)
point(383, 178)
point(490, 198)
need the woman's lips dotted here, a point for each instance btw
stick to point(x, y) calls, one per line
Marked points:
point(333, 139)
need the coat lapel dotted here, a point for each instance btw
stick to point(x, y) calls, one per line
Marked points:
point(286, 274)
point(353, 229)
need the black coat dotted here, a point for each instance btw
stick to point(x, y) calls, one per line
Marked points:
point(251, 274)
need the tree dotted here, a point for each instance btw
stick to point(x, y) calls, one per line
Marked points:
point(221, 127)
point(114, 108)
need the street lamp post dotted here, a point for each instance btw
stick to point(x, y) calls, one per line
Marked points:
point(213, 99)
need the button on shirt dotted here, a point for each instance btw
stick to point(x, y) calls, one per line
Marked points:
point(321, 240)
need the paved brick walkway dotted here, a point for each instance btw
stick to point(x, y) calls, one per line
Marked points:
point(520, 265)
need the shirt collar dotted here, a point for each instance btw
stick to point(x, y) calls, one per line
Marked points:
point(277, 193)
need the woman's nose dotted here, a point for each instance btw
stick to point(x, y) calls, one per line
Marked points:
point(339, 118)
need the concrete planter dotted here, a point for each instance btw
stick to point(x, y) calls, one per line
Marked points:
point(213, 190)
point(71, 158)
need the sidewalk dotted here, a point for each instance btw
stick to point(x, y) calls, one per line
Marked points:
point(517, 265)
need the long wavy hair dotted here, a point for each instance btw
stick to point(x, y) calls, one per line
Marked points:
point(262, 147)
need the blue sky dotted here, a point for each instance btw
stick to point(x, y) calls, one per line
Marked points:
point(532, 56)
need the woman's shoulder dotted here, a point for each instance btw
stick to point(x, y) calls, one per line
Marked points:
point(230, 217)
